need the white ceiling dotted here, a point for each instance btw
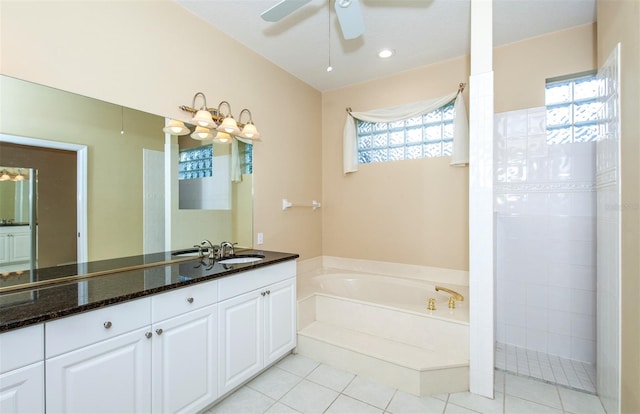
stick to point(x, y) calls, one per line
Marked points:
point(421, 32)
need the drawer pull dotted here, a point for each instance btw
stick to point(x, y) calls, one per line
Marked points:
point(159, 331)
point(263, 293)
point(148, 335)
point(268, 292)
point(107, 324)
point(190, 300)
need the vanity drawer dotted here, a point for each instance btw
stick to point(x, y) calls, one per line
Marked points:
point(21, 347)
point(182, 300)
point(77, 331)
point(239, 283)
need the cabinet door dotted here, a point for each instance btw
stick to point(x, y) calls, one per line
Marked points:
point(280, 320)
point(240, 331)
point(4, 248)
point(22, 390)
point(184, 365)
point(21, 246)
point(112, 376)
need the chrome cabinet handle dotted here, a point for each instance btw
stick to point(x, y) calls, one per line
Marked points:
point(159, 331)
point(190, 300)
point(107, 324)
point(148, 335)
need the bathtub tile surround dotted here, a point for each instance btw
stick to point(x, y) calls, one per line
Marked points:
point(378, 326)
point(308, 393)
point(546, 240)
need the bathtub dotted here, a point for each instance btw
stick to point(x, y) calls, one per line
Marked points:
point(404, 293)
point(379, 327)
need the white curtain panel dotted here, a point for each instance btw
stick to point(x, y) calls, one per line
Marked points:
point(460, 154)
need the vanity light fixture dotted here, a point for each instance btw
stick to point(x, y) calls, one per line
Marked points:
point(19, 177)
point(222, 138)
point(227, 124)
point(202, 117)
point(201, 133)
point(249, 131)
point(176, 127)
point(5, 176)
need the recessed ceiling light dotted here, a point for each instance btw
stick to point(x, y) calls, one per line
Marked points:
point(386, 53)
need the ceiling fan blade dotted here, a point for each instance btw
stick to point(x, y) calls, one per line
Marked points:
point(350, 18)
point(282, 9)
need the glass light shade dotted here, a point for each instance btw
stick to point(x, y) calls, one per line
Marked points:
point(176, 127)
point(19, 177)
point(201, 133)
point(4, 176)
point(203, 118)
point(222, 138)
point(229, 126)
point(250, 131)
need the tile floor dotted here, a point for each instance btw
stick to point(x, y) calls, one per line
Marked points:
point(578, 375)
point(300, 385)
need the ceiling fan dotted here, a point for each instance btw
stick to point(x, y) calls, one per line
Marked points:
point(348, 12)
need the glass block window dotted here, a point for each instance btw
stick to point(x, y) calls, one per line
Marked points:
point(195, 163)
point(429, 135)
point(246, 157)
point(572, 105)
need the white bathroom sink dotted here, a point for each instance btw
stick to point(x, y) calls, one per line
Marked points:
point(238, 260)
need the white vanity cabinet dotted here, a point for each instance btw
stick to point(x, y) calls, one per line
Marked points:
point(22, 370)
point(258, 327)
point(184, 349)
point(15, 244)
point(100, 361)
point(177, 351)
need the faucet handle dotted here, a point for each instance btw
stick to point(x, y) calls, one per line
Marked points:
point(200, 253)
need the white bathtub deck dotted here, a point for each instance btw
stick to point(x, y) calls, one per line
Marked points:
point(417, 354)
point(398, 353)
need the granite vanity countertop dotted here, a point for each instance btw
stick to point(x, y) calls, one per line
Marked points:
point(29, 306)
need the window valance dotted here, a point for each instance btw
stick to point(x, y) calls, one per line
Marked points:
point(460, 151)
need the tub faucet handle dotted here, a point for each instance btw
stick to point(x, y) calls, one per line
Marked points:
point(452, 302)
point(432, 304)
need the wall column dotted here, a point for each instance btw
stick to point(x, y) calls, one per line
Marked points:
point(481, 219)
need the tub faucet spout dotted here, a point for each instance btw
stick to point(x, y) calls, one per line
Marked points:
point(453, 293)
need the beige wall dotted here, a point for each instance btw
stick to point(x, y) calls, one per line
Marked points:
point(619, 21)
point(521, 68)
point(413, 211)
point(144, 55)
point(417, 211)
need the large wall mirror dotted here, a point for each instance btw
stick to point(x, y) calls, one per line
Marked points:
point(131, 196)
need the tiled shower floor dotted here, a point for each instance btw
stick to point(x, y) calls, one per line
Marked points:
point(550, 368)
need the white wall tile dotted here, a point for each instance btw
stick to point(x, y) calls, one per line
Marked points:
point(537, 340)
point(583, 349)
point(545, 239)
point(559, 344)
point(559, 322)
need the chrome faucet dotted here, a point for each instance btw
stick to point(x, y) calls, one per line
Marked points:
point(212, 249)
point(223, 249)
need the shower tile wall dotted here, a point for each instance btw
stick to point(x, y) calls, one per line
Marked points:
point(545, 205)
